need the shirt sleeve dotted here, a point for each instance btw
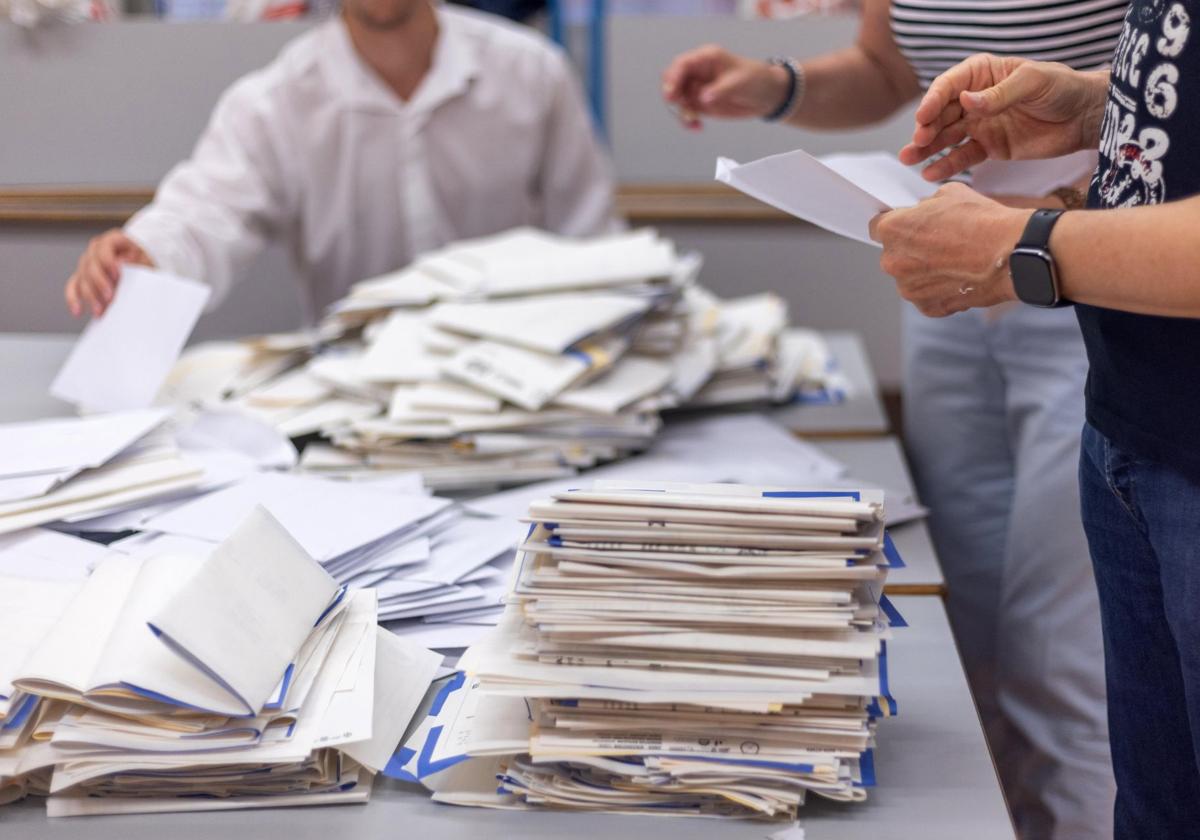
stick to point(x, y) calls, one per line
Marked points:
point(576, 176)
point(215, 212)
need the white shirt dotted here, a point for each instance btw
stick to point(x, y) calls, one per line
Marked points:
point(316, 150)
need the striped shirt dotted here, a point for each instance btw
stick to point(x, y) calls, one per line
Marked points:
point(934, 35)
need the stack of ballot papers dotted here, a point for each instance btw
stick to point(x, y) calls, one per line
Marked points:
point(77, 467)
point(692, 649)
point(244, 677)
point(520, 357)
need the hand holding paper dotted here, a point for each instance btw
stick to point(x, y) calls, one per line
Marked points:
point(840, 193)
point(122, 359)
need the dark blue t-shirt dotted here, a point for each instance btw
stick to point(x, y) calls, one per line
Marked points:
point(1143, 391)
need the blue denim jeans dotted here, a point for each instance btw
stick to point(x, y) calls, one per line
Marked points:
point(1142, 520)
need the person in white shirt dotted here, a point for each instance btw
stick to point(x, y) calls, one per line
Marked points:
point(388, 131)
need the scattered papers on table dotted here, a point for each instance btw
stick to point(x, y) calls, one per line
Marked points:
point(674, 648)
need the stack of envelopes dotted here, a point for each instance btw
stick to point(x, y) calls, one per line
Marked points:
point(519, 357)
point(674, 648)
point(70, 467)
point(243, 678)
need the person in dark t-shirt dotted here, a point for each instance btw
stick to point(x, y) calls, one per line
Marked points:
point(1131, 265)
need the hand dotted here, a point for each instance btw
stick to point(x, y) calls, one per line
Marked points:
point(95, 279)
point(711, 81)
point(1006, 109)
point(950, 252)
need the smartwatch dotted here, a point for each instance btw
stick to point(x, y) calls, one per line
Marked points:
point(1034, 276)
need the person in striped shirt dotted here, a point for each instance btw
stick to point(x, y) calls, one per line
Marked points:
point(993, 398)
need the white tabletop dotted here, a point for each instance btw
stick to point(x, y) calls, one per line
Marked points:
point(861, 413)
point(935, 782)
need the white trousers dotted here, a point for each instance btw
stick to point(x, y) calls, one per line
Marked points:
point(993, 408)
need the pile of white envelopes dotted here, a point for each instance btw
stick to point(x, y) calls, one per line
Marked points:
point(515, 358)
point(675, 649)
point(242, 678)
point(75, 468)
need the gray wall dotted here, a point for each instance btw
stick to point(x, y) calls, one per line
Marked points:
point(118, 104)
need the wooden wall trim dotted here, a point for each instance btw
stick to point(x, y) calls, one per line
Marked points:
point(71, 205)
point(641, 204)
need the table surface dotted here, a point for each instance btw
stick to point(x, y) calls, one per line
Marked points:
point(860, 414)
point(936, 782)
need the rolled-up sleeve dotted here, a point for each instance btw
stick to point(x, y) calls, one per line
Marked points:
point(215, 212)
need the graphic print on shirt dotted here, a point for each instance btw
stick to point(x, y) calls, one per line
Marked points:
point(1134, 140)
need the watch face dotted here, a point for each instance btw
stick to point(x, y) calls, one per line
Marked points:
point(1033, 277)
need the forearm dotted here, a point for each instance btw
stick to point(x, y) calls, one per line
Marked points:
point(1136, 259)
point(859, 85)
point(847, 89)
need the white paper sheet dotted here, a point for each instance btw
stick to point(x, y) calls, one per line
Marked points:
point(328, 518)
point(42, 553)
point(549, 324)
point(403, 672)
point(841, 196)
point(68, 445)
point(248, 609)
point(439, 636)
point(122, 358)
point(232, 430)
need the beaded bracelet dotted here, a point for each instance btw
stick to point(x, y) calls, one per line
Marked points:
point(795, 88)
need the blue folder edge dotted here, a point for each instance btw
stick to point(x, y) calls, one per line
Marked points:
point(891, 553)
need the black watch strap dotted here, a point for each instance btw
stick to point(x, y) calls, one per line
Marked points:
point(1038, 228)
point(1031, 266)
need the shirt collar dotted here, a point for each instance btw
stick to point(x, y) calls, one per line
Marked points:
point(455, 64)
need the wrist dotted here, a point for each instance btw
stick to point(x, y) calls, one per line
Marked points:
point(1096, 98)
point(777, 81)
point(1007, 228)
point(793, 89)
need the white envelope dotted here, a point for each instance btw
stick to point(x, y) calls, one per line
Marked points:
point(122, 358)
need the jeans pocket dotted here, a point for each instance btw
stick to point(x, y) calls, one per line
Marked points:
point(1120, 472)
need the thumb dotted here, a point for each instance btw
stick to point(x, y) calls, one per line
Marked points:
point(1017, 88)
point(873, 225)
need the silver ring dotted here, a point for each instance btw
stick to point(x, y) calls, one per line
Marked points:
point(965, 290)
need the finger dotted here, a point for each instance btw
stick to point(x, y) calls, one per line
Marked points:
point(945, 89)
point(685, 69)
point(948, 137)
point(71, 293)
point(96, 289)
point(673, 76)
point(963, 158)
point(1024, 83)
point(110, 250)
point(924, 134)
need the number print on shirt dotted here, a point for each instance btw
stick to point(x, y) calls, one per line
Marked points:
point(1135, 174)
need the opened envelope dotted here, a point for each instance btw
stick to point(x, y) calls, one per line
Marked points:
point(840, 193)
